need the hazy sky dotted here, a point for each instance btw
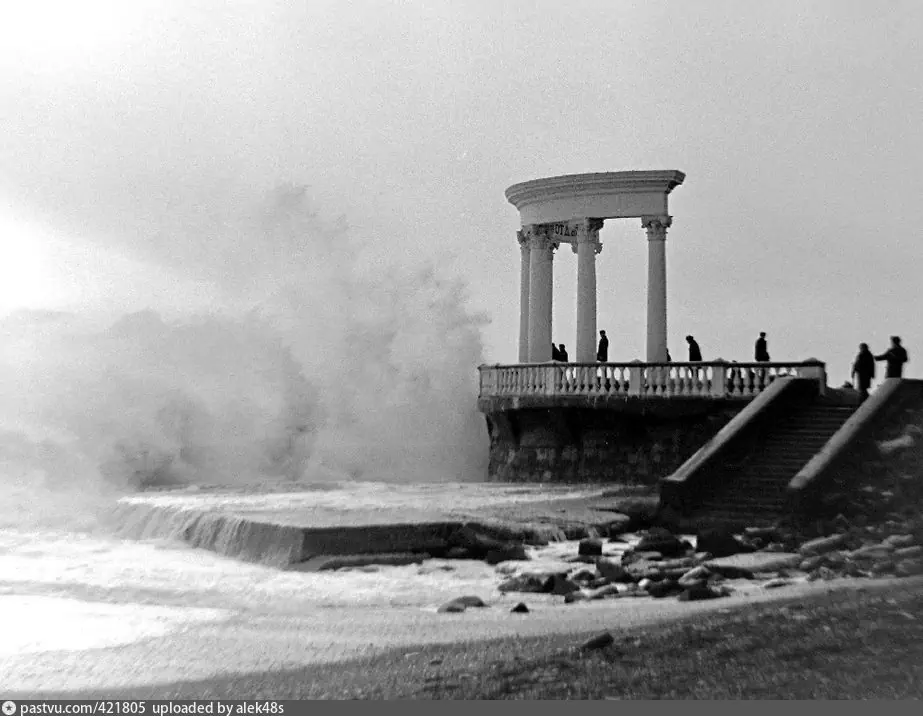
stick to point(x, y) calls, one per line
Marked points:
point(133, 133)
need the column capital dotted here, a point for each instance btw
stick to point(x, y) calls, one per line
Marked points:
point(656, 227)
point(588, 233)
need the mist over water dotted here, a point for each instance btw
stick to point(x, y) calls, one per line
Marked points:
point(325, 361)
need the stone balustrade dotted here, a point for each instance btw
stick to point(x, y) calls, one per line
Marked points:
point(717, 379)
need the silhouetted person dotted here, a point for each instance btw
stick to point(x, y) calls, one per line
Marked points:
point(602, 352)
point(863, 369)
point(555, 353)
point(895, 356)
point(669, 358)
point(761, 352)
point(562, 353)
point(695, 353)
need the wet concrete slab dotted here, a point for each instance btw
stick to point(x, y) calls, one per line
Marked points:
point(286, 524)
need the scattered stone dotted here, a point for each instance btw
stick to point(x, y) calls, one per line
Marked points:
point(563, 585)
point(520, 608)
point(695, 594)
point(777, 582)
point(578, 596)
point(659, 590)
point(909, 567)
point(681, 563)
point(452, 607)
point(508, 552)
point(660, 540)
point(612, 571)
point(460, 604)
point(644, 584)
point(872, 551)
point(609, 590)
point(824, 573)
point(880, 568)
point(583, 575)
point(811, 563)
point(458, 553)
point(900, 541)
point(694, 576)
point(767, 533)
point(905, 552)
point(642, 556)
point(745, 565)
point(887, 447)
point(823, 544)
point(535, 583)
point(600, 641)
point(590, 548)
point(720, 543)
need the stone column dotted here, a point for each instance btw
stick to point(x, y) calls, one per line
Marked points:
point(524, 270)
point(541, 255)
point(586, 248)
point(656, 286)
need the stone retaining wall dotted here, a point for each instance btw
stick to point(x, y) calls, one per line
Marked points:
point(563, 444)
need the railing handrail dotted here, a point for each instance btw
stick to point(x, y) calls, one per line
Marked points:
point(676, 363)
point(690, 379)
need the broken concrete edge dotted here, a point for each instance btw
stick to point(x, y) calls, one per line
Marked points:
point(712, 449)
point(856, 427)
point(280, 545)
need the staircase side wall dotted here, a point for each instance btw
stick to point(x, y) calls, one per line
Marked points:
point(852, 455)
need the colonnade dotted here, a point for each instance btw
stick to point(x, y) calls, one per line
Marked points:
point(538, 243)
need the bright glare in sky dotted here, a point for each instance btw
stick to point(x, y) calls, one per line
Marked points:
point(26, 279)
point(59, 34)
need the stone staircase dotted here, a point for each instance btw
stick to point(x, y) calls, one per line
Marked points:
point(748, 486)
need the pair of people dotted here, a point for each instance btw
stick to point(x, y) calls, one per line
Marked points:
point(863, 368)
point(559, 353)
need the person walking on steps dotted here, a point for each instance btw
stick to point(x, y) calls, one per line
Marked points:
point(895, 357)
point(863, 370)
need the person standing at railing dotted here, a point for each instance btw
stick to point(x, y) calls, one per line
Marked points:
point(863, 369)
point(695, 356)
point(695, 353)
point(895, 356)
point(602, 351)
point(562, 353)
point(555, 353)
point(761, 352)
point(761, 355)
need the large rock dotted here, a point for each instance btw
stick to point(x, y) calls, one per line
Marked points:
point(907, 552)
point(661, 540)
point(590, 548)
point(600, 641)
point(823, 544)
point(720, 543)
point(613, 571)
point(507, 552)
point(460, 604)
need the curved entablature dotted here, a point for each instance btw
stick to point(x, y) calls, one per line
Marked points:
point(603, 195)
